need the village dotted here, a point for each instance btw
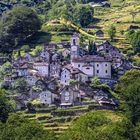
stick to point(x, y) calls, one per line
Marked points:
point(64, 78)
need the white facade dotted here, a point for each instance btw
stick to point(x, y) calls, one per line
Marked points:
point(43, 68)
point(103, 69)
point(75, 42)
point(100, 69)
point(88, 70)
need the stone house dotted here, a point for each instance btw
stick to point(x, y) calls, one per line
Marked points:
point(23, 70)
point(28, 58)
point(93, 65)
point(69, 96)
point(42, 67)
point(99, 94)
point(51, 47)
point(99, 33)
point(31, 80)
point(65, 52)
point(56, 57)
point(55, 68)
point(40, 83)
point(69, 73)
point(45, 56)
point(47, 97)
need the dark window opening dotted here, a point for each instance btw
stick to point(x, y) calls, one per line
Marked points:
point(97, 71)
point(74, 42)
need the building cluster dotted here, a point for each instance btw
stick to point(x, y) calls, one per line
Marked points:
point(64, 76)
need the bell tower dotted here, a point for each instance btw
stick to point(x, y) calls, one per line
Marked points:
point(75, 43)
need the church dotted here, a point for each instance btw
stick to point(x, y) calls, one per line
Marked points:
point(91, 64)
point(85, 65)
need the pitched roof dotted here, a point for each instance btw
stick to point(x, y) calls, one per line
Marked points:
point(92, 58)
point(72, 69)
point(40, 64)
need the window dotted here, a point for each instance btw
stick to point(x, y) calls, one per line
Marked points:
point(65, 76)
point(74, 42)
point(107, 51)
point(78, 65)
point(106, 71)
point(97, 65)
point(87, 68)
point(66, 98)
point(97, 71)
point(65, 81)
point(106, 65)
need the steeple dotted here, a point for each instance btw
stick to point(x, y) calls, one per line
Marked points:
point(75, 42)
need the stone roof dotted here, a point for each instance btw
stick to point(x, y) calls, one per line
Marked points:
point(24, 66)
point(72, 69)
point(92, 58)
point(50, 46)
point(40, 64)
point(107, 46)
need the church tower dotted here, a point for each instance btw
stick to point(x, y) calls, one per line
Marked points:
point(75, 43)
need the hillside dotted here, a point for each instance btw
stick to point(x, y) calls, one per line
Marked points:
point(69, 69)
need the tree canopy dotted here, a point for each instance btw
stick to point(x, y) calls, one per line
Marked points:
point(134, 39)
point(17, 127)
point(112, 32)
point(129, 91)
point(99, 125)
point(72, 11)
point(5, 106)
point(16, 26)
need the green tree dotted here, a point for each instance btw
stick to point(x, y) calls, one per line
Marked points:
point(129, 89)
point(5, 106)
point(5, 70)
point(112, 32)
point(99, 125)
point(92, 49)
point(127, 79)
point(17, 25)
point(96, 84)
point(129, 35)
point(83, 14)
point(21, 86)
point(19, 128)
point(136, 42)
